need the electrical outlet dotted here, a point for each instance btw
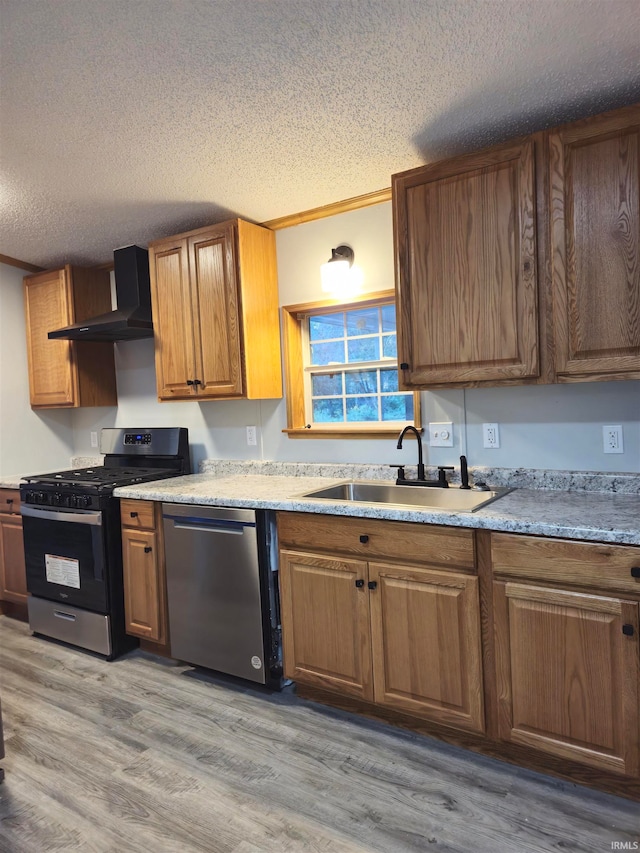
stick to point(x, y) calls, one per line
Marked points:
point(94, 439)
point(491, 435)
point(612, 439)
point(441, 435)
point(252, 436)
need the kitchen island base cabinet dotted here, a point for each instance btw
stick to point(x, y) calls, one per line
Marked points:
point(400, 634)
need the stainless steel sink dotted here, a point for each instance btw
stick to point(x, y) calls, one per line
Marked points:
point(452, 499)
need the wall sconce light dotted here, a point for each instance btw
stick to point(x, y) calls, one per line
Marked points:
point(339, 276)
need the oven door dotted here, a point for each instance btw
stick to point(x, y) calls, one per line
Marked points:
point(65, 556)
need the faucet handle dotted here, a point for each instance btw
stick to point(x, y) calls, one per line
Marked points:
point(401, 475)
point(442, 477)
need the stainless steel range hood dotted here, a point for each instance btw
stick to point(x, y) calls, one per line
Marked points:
point(132, 317)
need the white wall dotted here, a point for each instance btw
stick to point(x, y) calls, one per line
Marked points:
point(555, 426)
point(30, 442)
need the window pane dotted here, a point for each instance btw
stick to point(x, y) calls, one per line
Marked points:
point(362, 382)
point(327, 353)
point(363, 322)
point(388, 380)
point(397, 408)
point(362, 408)
point(389, 318)
point(327, 411)
point(324, 326)
point(363, 349)
point(326, 384)
point(389, 346)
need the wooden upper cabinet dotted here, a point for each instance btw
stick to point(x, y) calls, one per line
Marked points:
point(567, 674)
point(595, 228)
point(173, 318)
point(465, 245)
point(215, 313)
point(67, 373)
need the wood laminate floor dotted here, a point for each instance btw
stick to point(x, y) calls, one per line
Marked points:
point(135, 755)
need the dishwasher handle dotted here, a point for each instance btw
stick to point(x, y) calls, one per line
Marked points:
point(233, 529)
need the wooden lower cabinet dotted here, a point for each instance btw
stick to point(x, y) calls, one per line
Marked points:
point(326, 639)
point(425, 630)
point(402, 635)
point(145, 601)
point(13, 576)
point(567, 674)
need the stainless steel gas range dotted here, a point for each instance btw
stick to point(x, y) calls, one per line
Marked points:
point(72, 537)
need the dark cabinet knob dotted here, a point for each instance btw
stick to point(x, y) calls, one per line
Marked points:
point(359, 583)
point(9, 501)
point(147, 549)
point(372, 584)
point(628, 630)
point(364, 538)
point(197, 382)
point(190, 382)
point(133, 514)
point(404, 366)
point(635, 571)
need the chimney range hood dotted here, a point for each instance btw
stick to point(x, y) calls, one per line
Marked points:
point(132, 317)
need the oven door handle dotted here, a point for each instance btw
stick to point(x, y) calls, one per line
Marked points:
point(77, 517)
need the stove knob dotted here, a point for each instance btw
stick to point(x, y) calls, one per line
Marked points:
point(40, 497)
point(73, 501)
point(83, 501)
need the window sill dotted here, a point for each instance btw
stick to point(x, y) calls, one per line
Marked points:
point(315, 432)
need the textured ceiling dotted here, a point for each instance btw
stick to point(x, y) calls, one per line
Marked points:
point(127, 120)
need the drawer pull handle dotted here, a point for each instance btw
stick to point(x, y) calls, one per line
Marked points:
point(635, 571)
point(359, 583)
point(133, 514)
point(10, 501)
point(60, 614)
point(364, 538)
point(372, 584)
point(628, 630)
point(147, 549)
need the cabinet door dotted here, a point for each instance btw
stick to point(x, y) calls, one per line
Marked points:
point(173, 320)
point(213, 271)
point(143, 585)
point(465, 247)
point(595, 226)
point(567, 675)
point(426, 644)
point(53, 379)
point(325, 622)
point(13, 574)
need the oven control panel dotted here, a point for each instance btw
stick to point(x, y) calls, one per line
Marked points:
point(62, 499)
point(137, 439)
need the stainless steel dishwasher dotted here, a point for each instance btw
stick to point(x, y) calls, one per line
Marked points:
point(222, 590)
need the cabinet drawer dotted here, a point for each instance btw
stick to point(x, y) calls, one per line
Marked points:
point(10, 501)
point(376, 538)
point(582, 564)
point(138, 514)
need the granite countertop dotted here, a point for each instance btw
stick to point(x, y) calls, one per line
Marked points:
point(583, 515)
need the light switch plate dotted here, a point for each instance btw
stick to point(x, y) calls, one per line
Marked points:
point(441, 435)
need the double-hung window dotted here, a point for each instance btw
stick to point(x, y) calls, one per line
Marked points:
point(342, 373)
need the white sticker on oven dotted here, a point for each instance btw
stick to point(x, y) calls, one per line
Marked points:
point(63, 571)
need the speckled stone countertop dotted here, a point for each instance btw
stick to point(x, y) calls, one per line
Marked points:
point(592, 516)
